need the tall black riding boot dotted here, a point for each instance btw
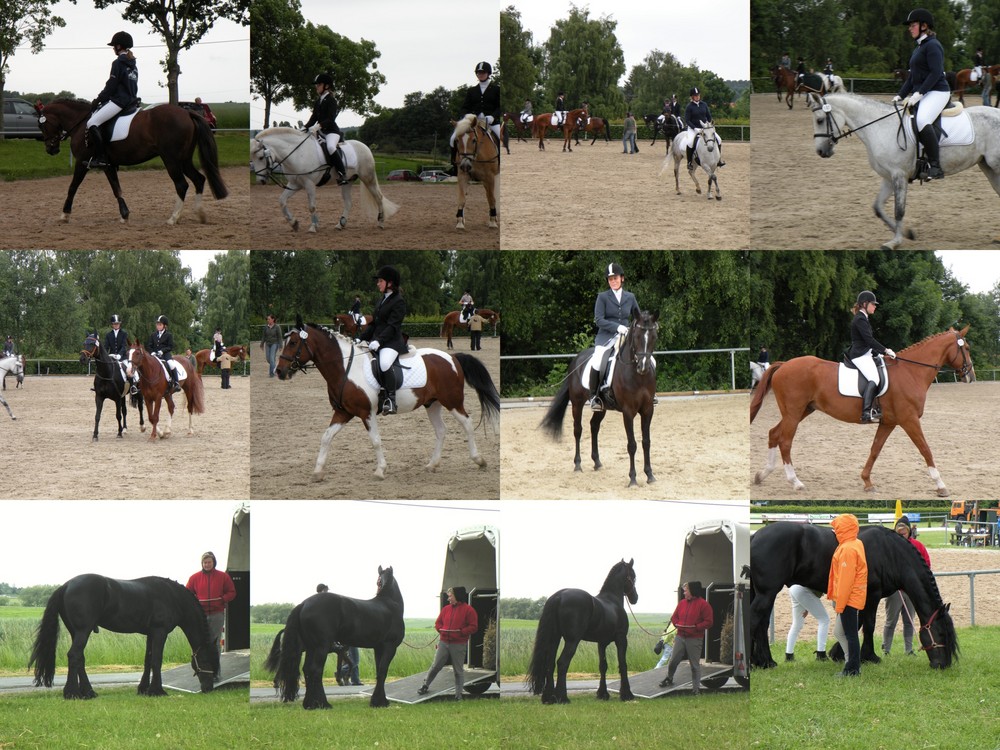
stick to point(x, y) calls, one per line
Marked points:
point(722, 162)
point(868, 414)
point(928, 139)
point(97, 160)
point(337, 162)
point(389, 406)
point(595, 383)
point(690, 156)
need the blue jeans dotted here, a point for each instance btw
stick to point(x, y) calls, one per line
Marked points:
point(271, 353)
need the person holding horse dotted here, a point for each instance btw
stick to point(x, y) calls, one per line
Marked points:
point(805, 601)
point(483, 101)
point(628, 135)
point(696, 113)
point(456, 623)
point(161, 345)
point(612, 311)
point(324, 123)
point(848, 589)
point(385, 332)
point(692, 618)
point(270, 342)
point(121, 92)
point(926, 88)
point(900, 602)
point(214, 589)
point(864, 346)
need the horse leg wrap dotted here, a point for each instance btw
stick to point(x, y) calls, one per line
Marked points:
point(460, 213)
point(493, 212)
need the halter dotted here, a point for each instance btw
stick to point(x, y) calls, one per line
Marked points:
point(197, 667)
point(927, 627)
point(473, 131)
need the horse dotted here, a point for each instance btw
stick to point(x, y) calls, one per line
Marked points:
point(670, 126)
point(633, 387)
point(816, 85)
point(785, 80)
point(806, 384)
point(786, 553)
point(512, 122)
point(451, 320)
point(540, 127)
point(595, 125)
point(891, 149)
point(295, 160)
point(154, 386)
point(573, 119)
point(152, 606)
point(167, 131)
point(963, 80)
point(756, 373)
point(325, 618)
point(347, 369)
point(109, 382)
point(12, 363)
point(203, 357)
point(477, 157)
point(707, 156)
point(573, 615)
point(346, 322)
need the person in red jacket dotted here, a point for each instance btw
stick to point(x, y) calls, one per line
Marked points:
point(692, 618)
point(899, 602)
point(848, 589)
point(214, 589)
point(456, 623)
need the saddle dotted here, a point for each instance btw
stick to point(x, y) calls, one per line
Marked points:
point(391, 380)
point(851, 383)
point(606, 368)
point(467, 312)
point(116, 129)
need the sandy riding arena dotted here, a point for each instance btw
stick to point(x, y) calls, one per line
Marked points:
point(597, 197)
point(959, 424)
point(49, 453)
point(804, 202)
point(32, 208)
point(289, 417)
point(698, 450)
point(425, 220)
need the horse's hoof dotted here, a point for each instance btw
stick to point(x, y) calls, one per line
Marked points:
point(480, 462)
point(632, 483)
point(626, 696)
point(758, 478)
point(718, 197)
point(63, 219)
point(460, 225)
point(170, 222)
point(910, 234)
point(650, 479)
point(678, 192)
point(943, 492)
point(871, 488)
point(295, 225)
point(577, 468)
point(94, 439)
point(380, 473)
point(603, 696)
point(312, 229)
point(317, 476)
point(798, 486)
point(698, 191)
point(431, 467)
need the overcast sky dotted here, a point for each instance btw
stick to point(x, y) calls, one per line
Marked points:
point(76, 58)
point(977, 269)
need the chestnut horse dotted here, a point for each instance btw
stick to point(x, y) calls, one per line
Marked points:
point(963, 81)
point(784, 81)
point(451, 320)
point(203, 359)
point(512, 121)
point(154, 386)
point(477, 158)
point(346, 322)
point(344, 365)
point(595, 125)
point(807, 384)
point(167, 131)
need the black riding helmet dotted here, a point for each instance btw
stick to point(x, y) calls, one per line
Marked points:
point(867, 296)
point(115, 319)
point(325, 78)
point(919, 15)
point(695, 91)
point(163, 319)
point(484, 67)
point(389, 274)
point(121, 39)
point(613, 270)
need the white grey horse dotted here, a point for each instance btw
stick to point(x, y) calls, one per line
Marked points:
point(892, 152)
point(707, 152)
point(756, 373)
point(12, 363)
point(294, 157)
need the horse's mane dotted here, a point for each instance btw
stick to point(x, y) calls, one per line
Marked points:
point(464, 125)
point(927, 576)
point(71, 103)
point(280, 131)
point(925, 339)
point(865, 102)
point(615, 572)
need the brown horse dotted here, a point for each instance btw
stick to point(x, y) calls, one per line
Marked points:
point(573, 119)
point(595, 125)
point(477, 158)
point(346, 366)
point(963, 80)
point(346, 323)
point(203, 359)
point(784, 81)
point(167, 131)
point(806, 384)
point(540, 127)
point(451, 320)
point(154, 386)
point(512, 121)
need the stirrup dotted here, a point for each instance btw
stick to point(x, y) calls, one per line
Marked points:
point(133, 390)
point(595, 403)
point(389, 406)
point(690, 166)
point(934, 172)
point(97, 162)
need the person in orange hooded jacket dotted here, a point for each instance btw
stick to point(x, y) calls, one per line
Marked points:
point(848, 589)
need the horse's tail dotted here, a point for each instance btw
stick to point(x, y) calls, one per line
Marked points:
point(372, 193)
point(543, 655)
point(553, 421)
point(285, 657)
point(196, 394)
point(763, 386)
point(209, 154)
point(607, 129)
point(43, 653)
point(479, 378)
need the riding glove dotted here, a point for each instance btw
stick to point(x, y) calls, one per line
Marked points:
point(315, 128)
point(622, 330)
point(373, 346)
point(890, 353)
point(896, 99)
point(915, 97)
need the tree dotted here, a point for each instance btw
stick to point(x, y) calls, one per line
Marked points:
point(20, 21)
point(518, 70)
point(227, 296)
point(276, 26)
point(585, 61)
point(181, 23)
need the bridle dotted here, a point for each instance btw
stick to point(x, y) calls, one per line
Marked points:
point(63, 133)
point(473, 155)
point(822, 105)
point(966, 360)
point(271, 165)
point(927, 627)
point(295, 362)
point(642, 358)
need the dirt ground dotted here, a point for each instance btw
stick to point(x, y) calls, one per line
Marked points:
point(599, 198)
point(289, 417)
point(699, 450)
point(959, 423)
point(49, 454)
point(425, 220)
point(801, 201)
point(32, 208)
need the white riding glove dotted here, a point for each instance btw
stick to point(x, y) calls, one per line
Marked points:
point(897, 99)
point(158, 352)
point(315, 128)
point(373, 346)
point(890, 353)
point(915, 97)
point(622, 330)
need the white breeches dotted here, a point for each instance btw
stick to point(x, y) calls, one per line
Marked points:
point(867, 366)
point(104, 114)
point(930, 107)
point(332, 139)
point(386, 357)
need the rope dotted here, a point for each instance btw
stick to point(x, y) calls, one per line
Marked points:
point(636, 621)
point(417, 648)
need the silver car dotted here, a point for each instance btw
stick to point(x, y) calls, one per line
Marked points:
point(20, 120)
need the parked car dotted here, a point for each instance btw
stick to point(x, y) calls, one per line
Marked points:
point(403, 175)
point(434, 175)
point(20, 120)
point(198, 109)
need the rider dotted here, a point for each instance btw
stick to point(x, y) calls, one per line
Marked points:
point(385, 332)
point(612, 310)
point(116, 345)
point(324, 121)
point(929, 87)
point(526, 113)
point(8, 346)
point(977, 65)
point(355, 312)
point(786, 61)
point(863, 345)
point(467, 306)
point(828, 72)
point(217, 345)
point(696, 113)
point(161, 344)
point(119, 93)
point(559, 111)
point(482, 100)
point(800, 69)
point(764, 357)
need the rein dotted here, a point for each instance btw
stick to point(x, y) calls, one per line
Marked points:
point(966, 364)
point(271, 165)
point(841, 134)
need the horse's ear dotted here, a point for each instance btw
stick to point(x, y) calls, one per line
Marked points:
point(631, 562)
point(380, 571)
point(964, 331)
point(298, 321)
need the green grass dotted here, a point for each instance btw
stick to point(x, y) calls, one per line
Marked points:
point(900, 703)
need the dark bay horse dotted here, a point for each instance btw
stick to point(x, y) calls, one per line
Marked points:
point(633, 387)
point(109, 382)
point(346, 323)
point(785, 553)
point(152, 606)
point(573, 615)
point(324, 619)
point(807, 384)
point(167, 131)
point(594, 125)
point(512, 122)
point(202, 357)
point(784, 82)
point(451, 321)
point(669, 128)
point(477, 158)
point(346, 367)
point(154, 387)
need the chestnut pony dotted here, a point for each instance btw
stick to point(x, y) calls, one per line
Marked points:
point(154, 386)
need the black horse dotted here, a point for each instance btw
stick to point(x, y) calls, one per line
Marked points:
point(669, 127)
point(785, 553)
point(574, 615)
point(633, 387)
point(109, 382)
point(151, 606)
point(326, 618)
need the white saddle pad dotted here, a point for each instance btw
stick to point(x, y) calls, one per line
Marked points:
point(959, 130)
point(122, 124)
point(414, 377)
point(847, 382)
point(347, 149)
